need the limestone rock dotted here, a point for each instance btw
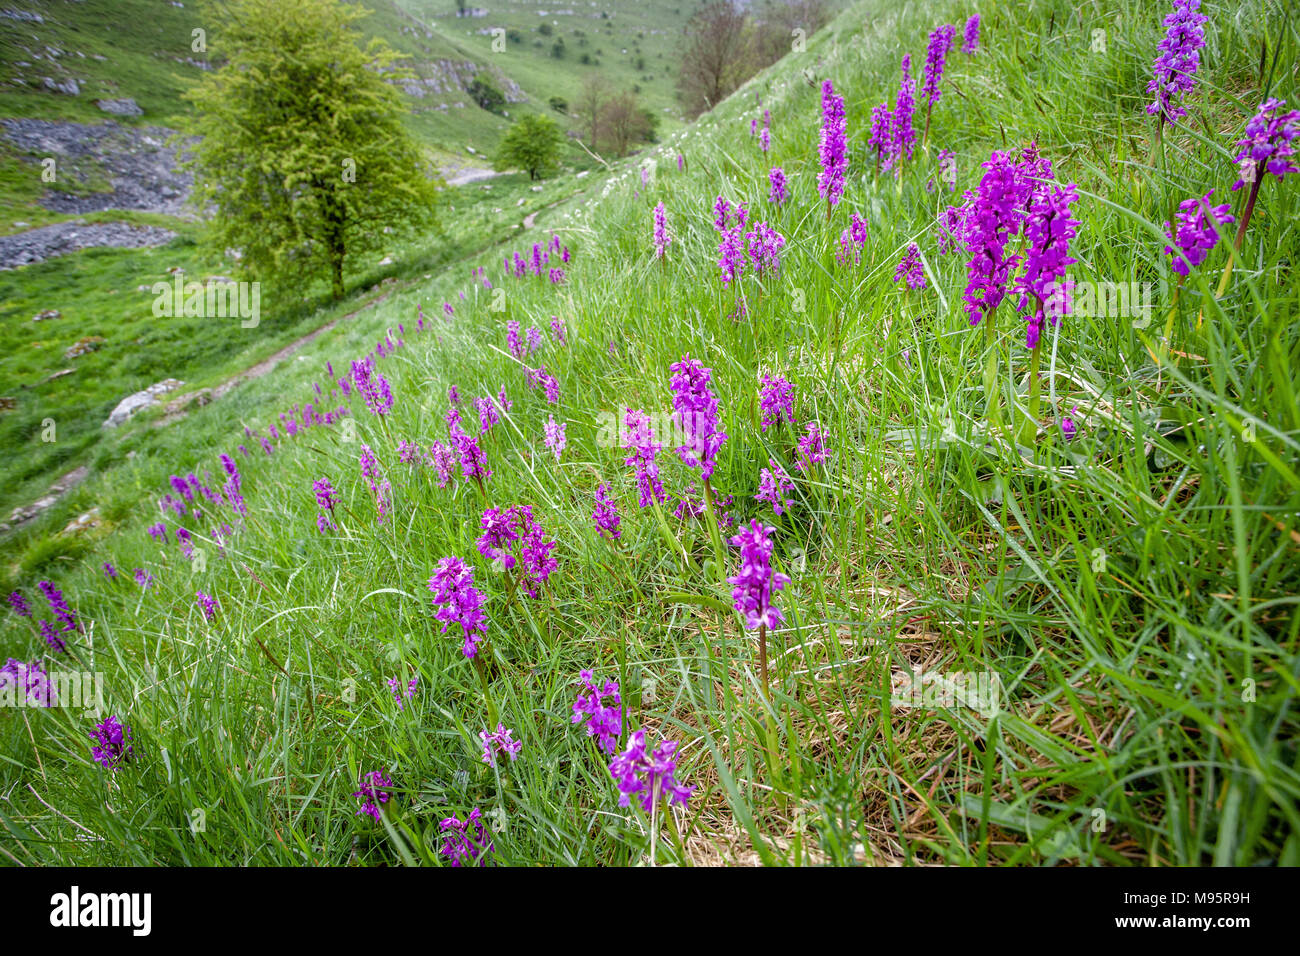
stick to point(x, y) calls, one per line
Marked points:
point(84, 346)
point(139, 400)
point(123, 107)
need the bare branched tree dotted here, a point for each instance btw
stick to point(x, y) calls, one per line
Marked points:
point(717, 55)
point(624, 123)
point(775, 25)
point(590, 106)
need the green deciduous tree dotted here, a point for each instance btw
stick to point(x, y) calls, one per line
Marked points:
point(485, 93)
point(303, 158)
point(532, 145)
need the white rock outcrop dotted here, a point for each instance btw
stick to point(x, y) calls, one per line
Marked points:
point(142, 399)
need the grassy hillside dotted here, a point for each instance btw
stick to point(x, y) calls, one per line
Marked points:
point(104, 295)
point(1127, 581)
point(137, 48)
point(551, 48)
point(149, 50)
point(143, 50)
point(146, 50)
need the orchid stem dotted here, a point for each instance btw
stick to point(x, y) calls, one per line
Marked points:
point(1167, 343)
point(481, 669)
point(991, 370)
point(678, 548)
point(712, 519)
point(1029, 428)
point(1236, 246)
point(654, 824)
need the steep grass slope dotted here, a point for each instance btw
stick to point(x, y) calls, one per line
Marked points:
point(148, 50)
point(1130, 590)
point(105, 294)
point(154, 51)
point(550, 49)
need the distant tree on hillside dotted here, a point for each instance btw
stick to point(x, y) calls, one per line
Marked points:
point(651, 118)
point(625, 123)
point(485, 93)
point(590, 107)
point(302, 156)
point(717, 55)
point(775, 23)
point(532, 144)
